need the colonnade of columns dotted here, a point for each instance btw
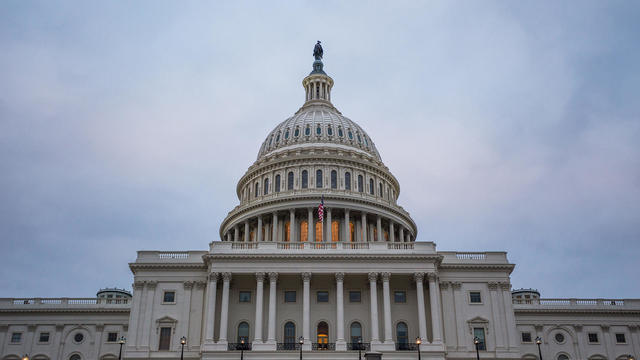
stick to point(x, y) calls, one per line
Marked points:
point(278, 227)
point(434, 293)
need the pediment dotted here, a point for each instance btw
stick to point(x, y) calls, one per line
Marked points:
point(166, 320)
point(478, 320)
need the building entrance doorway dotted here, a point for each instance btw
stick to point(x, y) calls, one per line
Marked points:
point(323, 336)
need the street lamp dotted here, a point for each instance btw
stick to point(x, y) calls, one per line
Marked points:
point(242, 349)
point(630, 357)
point(183, 341)
point(418, 342)
point(538, 342)
point(476, 342)
point(359, 349)
point(25, 357)
point(301, 341)
point(121, 342)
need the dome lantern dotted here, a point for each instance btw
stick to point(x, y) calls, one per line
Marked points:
point(318, 84)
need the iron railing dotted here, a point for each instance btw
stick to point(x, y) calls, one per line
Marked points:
point(238, 346)
point(406, 347)
point(323, 346)
point(288, 346)
point(359, 346)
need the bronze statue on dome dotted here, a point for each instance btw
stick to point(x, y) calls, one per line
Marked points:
point(317, 51)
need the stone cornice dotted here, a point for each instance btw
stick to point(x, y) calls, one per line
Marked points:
point(476, 266)
point(95, 310)
point(592, 311)
point(288, 256)
point(174, 266)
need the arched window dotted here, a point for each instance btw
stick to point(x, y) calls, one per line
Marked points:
point(319, 231)
point(278, 138)
point(287, 233)
point(243, 332)
point(335, 231)
point(75, 357)
point(323, 335)
point(318, 178)
point(371, 187)
point(334, 179)
point(290, 181)
point(402, 336)
point(355, 332)
point(329, 131)
point(352, 231)
point(255, 194)
point(360, 183)
point(318, 130)
point(380, 190)
point(266, 187)
point(286, 134)
point(296, 132)
point(290, 334)
point(563, 357)
point(307, 131)
point(305, 179)
point(277, 184)
point(340, 132)
point(347, 180)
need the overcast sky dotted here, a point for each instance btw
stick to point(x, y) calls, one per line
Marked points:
point(511, 126)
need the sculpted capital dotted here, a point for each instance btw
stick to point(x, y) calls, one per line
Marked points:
point(187, 285)
point(259, 276)
point(339, 276)
point(505, 286)
point(373, 276)
point(492, 285)
point(432, 276)
point(419, 276)
point(214, 276)
point(386, 276)
point(138, 285)
point(200, 284)
point(151, 284)
point(456, 285)
point(226, 276)
point(444, 285)
point(273, 276)
point(306, 276)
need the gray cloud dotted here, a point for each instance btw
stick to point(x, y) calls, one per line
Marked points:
point(509, 126)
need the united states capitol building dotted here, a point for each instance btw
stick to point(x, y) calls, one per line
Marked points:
point(283, 280)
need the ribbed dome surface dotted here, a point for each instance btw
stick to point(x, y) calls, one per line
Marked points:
point(318, 124)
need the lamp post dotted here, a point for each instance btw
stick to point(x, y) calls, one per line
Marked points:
point(25, 357)
point(476, 342)
point(121, 342)
point(630, 357)
point(418, 342)
point(359, 349)
point(183, 341)
point(301, 341)
point(538, 342)
point(242, 349)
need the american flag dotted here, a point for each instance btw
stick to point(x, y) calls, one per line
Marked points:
point(321, 209)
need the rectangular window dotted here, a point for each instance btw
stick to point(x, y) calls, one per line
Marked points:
point(621, 339)
point(355, 296)
point(400, 296)
point(322, 296)
point(112, 337)
point(479, 333)
point(474, 297)
point(593, 337)
point(165, 339)
point(290, 296)
point(526, 337)
point(44, 337)
point(169, 297)
point(16, 337)
point(245, 296)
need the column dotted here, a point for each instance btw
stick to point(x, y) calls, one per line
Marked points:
point(259, 235)
point(148, 311)
point(459, 304)
point(306, 279)
point(227, 236)
point(274, 230)
point(186, 307)
point(329, 233)
point(401, 233)
point(347, 228)
point(510, 326)
point(364, 227)
point(340, 342)
point(292, 225)
point(273, 279)
point(236, 233)
point(392, 236)
point(211, 307)
point(407, 237)
point(224, 311)
point(246, 230)
point(375, 332)
point(257, 338)
point(134, 328)
point(434, 296)
point(579, 340)
point(501, 335)
point(422, 321)
point(310, 225)
point(388, 337)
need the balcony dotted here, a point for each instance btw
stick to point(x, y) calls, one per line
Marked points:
point(64, 303)
point(288, 346)
point(359, 346)
point(323, 346)
point(406, 347)
point(365, 248)
point(239, 346)
point(577, 304)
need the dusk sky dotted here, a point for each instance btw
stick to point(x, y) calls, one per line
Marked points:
point(510, 125)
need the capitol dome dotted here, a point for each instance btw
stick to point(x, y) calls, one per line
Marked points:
point(318, 155)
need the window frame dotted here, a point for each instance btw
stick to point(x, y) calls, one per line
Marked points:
point(347, 180)
point(522, 333)
point(277, 183)
point(160, 337)
point(20, 337)
point(305, 179)
point(597, 340)
point(238, 336)
point(396, 292)
point(318, 297)
point(469, 299)
point(115, 340)
point(334, 179)
point(164, 294)
point(319, 179)
point(244, 291)
point(359, 292)
point(40, 341)
point(290, 180)
point(284, 296)
point(483, 342)
point(624, 338)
